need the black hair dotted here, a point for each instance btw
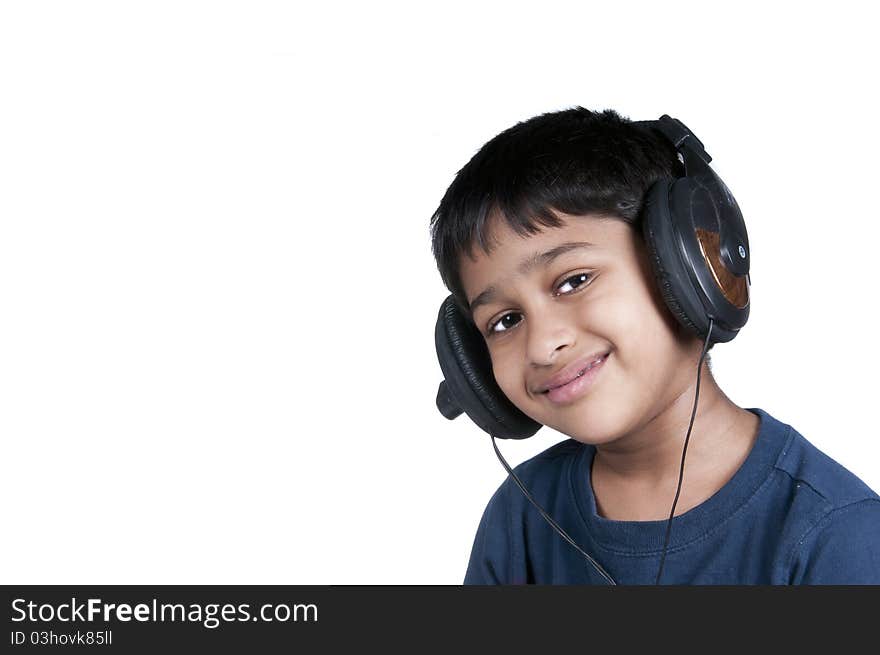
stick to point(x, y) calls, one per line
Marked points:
point(575, 161)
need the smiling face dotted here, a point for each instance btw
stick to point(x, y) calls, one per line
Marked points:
point(552, 304)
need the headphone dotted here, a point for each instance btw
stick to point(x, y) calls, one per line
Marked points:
point(699, 250)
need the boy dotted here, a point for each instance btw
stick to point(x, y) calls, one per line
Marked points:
point(540, 241)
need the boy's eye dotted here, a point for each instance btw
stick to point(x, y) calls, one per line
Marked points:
point(504, 323)
point(511, 319)
point(573, 282)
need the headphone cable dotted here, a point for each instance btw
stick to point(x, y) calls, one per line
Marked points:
point(684, 452)
point(548, 518)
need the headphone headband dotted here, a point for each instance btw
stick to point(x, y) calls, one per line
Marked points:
point(679, 135)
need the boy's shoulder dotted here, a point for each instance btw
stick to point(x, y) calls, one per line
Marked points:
point(831, 482)
point(833, 527)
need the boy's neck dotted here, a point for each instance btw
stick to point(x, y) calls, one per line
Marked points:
point(635, 477)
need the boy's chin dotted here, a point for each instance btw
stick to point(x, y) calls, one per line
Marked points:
point(591, 426)
point(593, 438)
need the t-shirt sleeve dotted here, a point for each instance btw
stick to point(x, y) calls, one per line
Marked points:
point(844, 548)
point(489, 562)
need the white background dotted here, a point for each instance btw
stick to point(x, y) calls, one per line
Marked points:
point(217, 296)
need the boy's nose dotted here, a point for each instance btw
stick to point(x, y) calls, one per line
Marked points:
point(547, 340)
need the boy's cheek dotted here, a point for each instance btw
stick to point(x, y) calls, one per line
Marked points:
point(512, 384)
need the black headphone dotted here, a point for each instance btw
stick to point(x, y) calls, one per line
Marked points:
point(699, 249)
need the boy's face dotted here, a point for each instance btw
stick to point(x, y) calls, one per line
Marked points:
point(553, 317)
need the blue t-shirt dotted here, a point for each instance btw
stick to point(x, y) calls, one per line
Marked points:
point(789, 515)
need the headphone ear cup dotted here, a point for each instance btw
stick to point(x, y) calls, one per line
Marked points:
point(657, 231)
point(469, 381)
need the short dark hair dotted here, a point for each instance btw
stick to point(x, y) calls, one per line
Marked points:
point(575, 161)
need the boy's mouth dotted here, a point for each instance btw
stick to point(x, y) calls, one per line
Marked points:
point(572, 372)
point(579, 385)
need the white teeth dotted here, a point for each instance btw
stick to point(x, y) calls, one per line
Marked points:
point(592, 364)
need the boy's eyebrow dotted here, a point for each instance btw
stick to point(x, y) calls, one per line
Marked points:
point(543, 258)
